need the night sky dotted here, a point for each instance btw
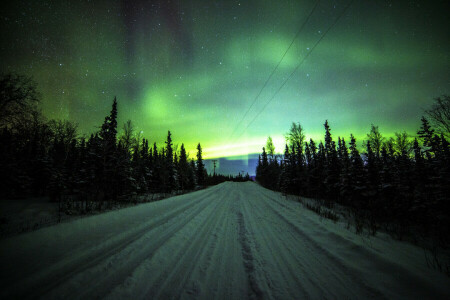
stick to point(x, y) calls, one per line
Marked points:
point(195, 67)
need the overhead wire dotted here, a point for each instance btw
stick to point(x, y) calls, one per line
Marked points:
point(276, 67)
point(298, 66)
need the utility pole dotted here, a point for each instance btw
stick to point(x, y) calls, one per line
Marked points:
point(214, 162)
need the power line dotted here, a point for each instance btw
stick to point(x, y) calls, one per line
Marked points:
point(298, 66)
point(273, 71)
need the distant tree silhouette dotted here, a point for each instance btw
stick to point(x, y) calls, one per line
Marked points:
point(192, 174)
point(200, 166)
point(332, 165)
point(169, 165)
point(108, 139)
point(183, 170)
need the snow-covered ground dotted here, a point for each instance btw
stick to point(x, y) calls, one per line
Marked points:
point(231, 241)
point(19, 215)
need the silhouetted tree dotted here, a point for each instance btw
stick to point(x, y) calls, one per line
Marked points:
point(18, 99)
point(183, 170)
point(270, 148)
point(107, 135)
point(169, 165)
point(200, 166)
point(440, 115)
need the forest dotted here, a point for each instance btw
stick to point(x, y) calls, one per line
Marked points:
point(40, 157)
point(399, 184)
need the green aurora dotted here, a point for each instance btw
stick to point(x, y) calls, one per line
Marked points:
point(195, 67)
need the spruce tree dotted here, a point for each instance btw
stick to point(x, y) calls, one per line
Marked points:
point(200, 166)
point(107, 134)
point(328, 139)
point(426, 134)
point(285, 180)
point(155, 176)
point(183, 169)
point(169, 165)
point(320, 171)
point(192, 174)
point(265, 162)
point(331, 165)
point(357, 178)
point(299, 169)
point(344, 188)
point(108, 130)
point(371, 193)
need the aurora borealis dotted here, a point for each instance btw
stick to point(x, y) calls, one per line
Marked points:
point(194, 67)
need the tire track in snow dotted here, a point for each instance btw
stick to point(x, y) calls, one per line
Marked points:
point(344, 252)
point(176, 274)
point(327, 258)
point(291, 251)
point(156, 241)
point(203, 259)
point(100, 284)
point(226, 259)
point(271, 247)
point(256, 292)
point(233, 241)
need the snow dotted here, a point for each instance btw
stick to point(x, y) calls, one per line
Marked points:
point(20, 215)
point(231, 241)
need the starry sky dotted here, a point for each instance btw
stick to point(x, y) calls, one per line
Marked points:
point(195, 67)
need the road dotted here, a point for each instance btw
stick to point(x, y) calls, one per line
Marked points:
point(231, 241)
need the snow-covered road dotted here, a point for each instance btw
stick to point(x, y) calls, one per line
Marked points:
point(231, 241)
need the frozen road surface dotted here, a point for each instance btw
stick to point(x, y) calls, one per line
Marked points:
point(231, 241)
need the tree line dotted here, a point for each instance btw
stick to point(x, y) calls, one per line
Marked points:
point(219, 178)
point(41, 157)
point(397, 183)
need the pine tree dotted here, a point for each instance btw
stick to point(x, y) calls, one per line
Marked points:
point(426, 134)
point(372, 172)
point(344, 188)
point(169, 165)
point(163, 171)
point(107, 134)
point(192, 174)
point(108, 130)
point(374, 206)
point(127, 172)
point(328, 139)
point(286, 172)
point(357, 178)
point(95, 169)
point(331, 165)
point(299, 169)
point(200, 166)
point(183, 169)
point(155, 177)
point(320, 170)
point(263, 169)
point(265, 162)
point(258, 169)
